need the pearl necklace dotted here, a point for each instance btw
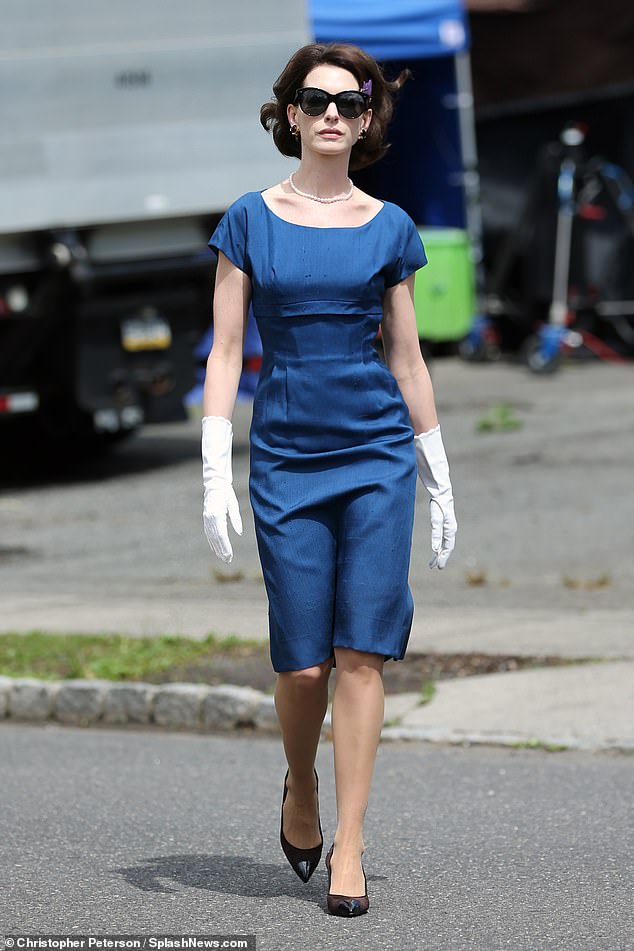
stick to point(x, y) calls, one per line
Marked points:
point(324, 201)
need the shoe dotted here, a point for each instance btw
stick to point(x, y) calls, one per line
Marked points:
point(302, 861)
point(343, 905)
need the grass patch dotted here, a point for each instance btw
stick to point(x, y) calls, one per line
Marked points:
point(587, 584)
point(228, 577)
point(427, 692)
point(500, 418)
point(108, 657)
point(476, 578)
point(536, 744)
point(170, 658)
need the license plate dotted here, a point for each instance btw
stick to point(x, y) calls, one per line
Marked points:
point(145, 333)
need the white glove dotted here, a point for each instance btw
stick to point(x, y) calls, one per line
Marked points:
point(220, 499)
point(433, 472)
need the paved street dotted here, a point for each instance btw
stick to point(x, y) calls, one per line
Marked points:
point(106, 831)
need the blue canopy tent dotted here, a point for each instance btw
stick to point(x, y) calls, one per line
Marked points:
point(424, 171)
point(392, 29)
point(431, 168)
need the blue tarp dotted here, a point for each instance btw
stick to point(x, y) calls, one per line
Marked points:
point(392, 29)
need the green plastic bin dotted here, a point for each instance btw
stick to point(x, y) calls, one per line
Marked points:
point(444, 294)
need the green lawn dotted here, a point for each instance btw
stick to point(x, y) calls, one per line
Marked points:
point(109, 657)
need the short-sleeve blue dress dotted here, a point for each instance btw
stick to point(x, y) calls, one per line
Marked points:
point(333, 469)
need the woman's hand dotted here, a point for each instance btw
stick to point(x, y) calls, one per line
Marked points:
point(433, 471)
point(220, 499)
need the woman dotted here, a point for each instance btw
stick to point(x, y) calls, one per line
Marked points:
point(334, 450)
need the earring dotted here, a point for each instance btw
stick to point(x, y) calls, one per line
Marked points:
point(363, 133)
point(294, 129)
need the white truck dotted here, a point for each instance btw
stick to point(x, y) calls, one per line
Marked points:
point(126, 130)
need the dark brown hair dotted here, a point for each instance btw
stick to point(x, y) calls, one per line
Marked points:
point(363, 67)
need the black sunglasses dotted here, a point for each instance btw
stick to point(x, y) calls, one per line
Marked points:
point(350, 104)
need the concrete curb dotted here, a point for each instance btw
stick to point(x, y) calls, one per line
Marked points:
point(225, 708)
point(176, 706)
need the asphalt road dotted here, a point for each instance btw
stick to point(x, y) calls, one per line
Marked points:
point(546, 516)
point(122, 832)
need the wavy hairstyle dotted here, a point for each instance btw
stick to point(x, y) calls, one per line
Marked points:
point(363, 67)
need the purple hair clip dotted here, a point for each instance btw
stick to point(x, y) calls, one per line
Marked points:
point(366, 89)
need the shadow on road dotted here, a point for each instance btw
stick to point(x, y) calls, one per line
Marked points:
point(32, 462)
point(228, 874)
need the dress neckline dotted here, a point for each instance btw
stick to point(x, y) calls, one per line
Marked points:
point(293, 224)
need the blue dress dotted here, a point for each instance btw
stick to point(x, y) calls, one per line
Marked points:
point(333, 469)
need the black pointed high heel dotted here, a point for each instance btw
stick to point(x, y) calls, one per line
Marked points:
point(302, 861)
point(343, 905)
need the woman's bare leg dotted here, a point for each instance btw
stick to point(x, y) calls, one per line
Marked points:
point(301, 701)
point(357, 718)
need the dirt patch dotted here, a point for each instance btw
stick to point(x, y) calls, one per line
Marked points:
point(251, 666)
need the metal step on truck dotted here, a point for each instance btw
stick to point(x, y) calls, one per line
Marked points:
point(127, 129)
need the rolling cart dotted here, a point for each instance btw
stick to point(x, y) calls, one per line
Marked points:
point(571, 293)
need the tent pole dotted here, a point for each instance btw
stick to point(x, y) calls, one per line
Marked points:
point(471, 177)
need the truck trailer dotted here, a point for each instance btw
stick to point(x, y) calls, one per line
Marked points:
point(127, 130)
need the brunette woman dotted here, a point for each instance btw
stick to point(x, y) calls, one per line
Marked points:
point(337, 437)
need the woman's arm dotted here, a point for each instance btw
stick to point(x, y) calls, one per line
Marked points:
point(403, 356)
point(224, 366)
point(232, 296)
point(402, 351)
